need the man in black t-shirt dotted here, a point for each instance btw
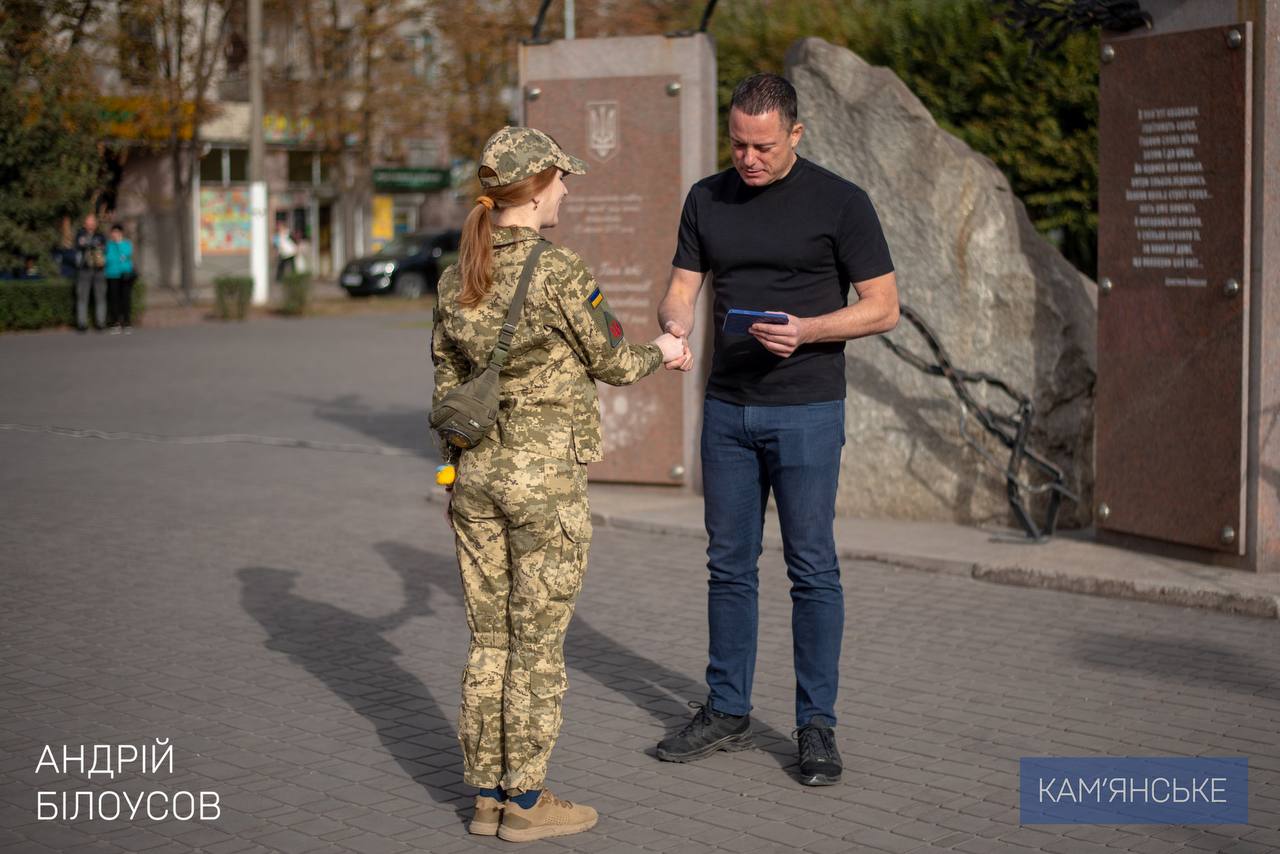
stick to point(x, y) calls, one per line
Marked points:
point(780, 234)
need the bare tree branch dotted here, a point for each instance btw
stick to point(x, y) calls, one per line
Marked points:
point(78, 31)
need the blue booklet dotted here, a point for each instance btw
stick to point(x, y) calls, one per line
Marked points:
point(739, 320)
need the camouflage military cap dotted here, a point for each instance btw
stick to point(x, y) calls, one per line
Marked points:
point(513, 153)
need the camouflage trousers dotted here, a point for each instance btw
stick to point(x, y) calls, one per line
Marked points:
point(522, 529)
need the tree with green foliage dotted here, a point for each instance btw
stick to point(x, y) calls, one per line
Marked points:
point(168, 51)
point(1035, 114)
point(480, 39)
point(50, 165)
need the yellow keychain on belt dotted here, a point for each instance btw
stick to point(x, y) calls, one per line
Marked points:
point(446, 475)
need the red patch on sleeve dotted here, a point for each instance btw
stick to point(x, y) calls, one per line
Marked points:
point(614, 328)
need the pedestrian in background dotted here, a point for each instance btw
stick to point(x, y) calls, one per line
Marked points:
point(64, 252)
point(120, 276)
point(286, 250)
point(519, 505)
point(91, 259)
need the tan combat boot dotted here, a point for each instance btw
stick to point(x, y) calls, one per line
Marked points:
point(487, 816)
point(550, 816)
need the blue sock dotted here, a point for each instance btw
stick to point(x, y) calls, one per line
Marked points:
point(496, 793)
point(528, 799)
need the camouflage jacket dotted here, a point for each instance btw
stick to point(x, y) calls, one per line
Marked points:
point(566, 338)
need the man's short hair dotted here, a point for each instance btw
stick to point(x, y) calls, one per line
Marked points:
point(762, 93)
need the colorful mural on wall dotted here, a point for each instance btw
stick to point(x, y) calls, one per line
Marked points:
point(224, 221)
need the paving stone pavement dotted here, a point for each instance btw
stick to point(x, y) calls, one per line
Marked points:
point(287, 615)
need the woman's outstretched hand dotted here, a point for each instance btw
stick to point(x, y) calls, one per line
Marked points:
point(672, 347)
point(683, 361)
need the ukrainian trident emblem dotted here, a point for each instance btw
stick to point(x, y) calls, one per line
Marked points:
point(602, 129)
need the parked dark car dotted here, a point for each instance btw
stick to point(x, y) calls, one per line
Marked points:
point(408, 266)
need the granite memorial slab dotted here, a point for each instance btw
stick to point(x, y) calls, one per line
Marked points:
point(640, 111)
point(1173, 276)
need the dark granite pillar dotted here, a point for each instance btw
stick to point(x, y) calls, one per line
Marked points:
point(1188, 409)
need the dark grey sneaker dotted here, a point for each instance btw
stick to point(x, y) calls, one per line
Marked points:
point(820, 763)
point(708, 732)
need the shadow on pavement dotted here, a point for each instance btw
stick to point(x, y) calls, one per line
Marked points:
point(647, 684)
point(1179, 661)
point(351, 656)
point(404, 429)
point(655, 688)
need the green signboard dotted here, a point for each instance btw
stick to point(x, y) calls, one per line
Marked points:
point(410, 178)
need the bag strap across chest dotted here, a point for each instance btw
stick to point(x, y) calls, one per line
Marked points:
point(499, 356)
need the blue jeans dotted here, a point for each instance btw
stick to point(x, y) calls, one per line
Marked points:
point(795, 451)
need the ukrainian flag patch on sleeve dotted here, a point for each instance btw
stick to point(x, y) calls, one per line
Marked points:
point(595, 299)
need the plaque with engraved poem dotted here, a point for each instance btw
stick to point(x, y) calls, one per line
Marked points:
point(1173, 266)
point(622, 217)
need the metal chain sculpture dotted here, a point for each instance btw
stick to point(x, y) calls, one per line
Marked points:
point(1012, 430)
point(1046, 23)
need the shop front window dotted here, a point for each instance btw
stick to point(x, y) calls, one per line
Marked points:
point(222, 166)
point(300, 167)
point(211, 167)
point(238, 164)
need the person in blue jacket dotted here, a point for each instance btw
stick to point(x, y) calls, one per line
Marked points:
point(64, 253)
point(120, 276)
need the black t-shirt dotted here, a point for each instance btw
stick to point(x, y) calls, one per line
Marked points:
point(794, 245)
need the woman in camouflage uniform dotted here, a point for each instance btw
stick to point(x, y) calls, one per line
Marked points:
point(519, 505)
